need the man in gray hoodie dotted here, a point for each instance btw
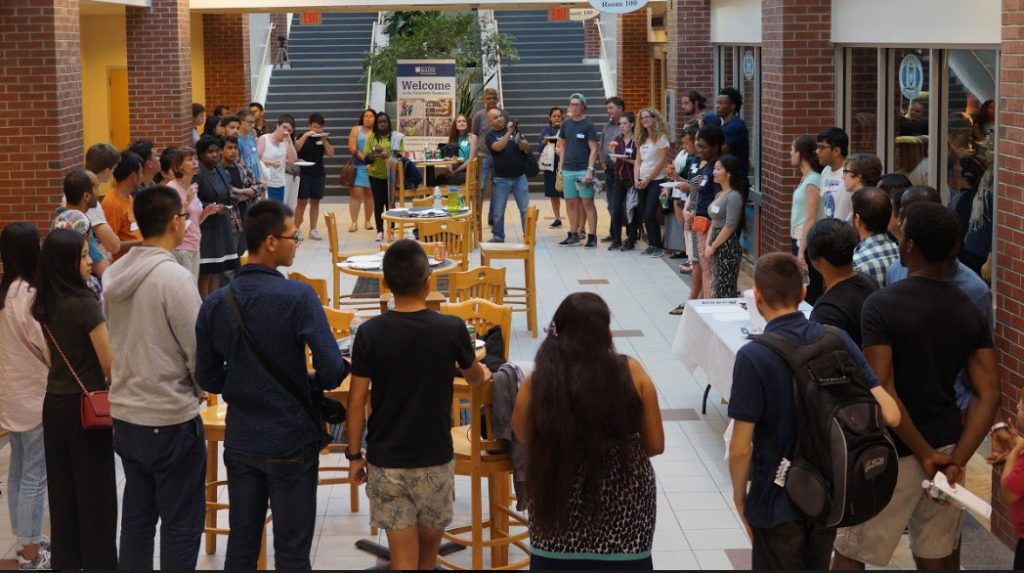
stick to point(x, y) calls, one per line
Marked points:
point(152, 303)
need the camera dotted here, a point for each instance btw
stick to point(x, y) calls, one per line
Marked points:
point(282, 40)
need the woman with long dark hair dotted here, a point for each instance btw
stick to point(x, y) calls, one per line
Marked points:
point(728, 217)
point(587, 403)
point(24, 363)
point(462, 138)
point(79, 462)
point(377, 150)
point(807, 206)
point(360, 193)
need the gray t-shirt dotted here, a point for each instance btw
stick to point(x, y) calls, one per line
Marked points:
point(482, 128)
point(577, 135)
point(726, 211)
point(608, 134)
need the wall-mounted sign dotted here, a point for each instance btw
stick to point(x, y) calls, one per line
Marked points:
point(562, 13)
point(426, 101)
point(618, 6)
point(311, 18)
point(748, 65)
point(911, 76)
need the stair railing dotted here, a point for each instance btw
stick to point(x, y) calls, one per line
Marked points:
point(609, 71)
point(377, 25)
point(491, 76)
point(266, 68)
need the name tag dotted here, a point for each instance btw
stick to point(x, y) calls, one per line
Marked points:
point(714, 209)
point(693, 169)
point(581, 135)
point(320, 142)
point(134, 227)
point(704, 181)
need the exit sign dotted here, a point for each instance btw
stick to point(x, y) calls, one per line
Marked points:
point(563, 13)
point(312, 19)
point(558, 14)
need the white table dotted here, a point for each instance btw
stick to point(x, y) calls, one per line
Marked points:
point(709, 336)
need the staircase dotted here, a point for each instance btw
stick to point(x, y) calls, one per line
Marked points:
point(550, 68)
point(327, 78)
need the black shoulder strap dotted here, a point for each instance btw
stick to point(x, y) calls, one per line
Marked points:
point(795, 354)
point(273, 368)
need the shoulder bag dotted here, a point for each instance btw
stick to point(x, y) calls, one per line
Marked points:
point(347, 177)
point(95, 405)
point(321, 409)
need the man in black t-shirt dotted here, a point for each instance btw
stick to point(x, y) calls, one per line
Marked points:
point(508, 148)
point(830, 246)
point(918, 334)
point(408, 354)
point(312, 146)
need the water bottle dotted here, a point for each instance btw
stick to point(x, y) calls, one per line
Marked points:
point(426, 152)
point(354, 326)
point(437, 198)
point(453, 199)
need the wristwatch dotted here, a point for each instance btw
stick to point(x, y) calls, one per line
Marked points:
point(353, 457)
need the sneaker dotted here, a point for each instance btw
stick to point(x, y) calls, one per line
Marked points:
point(380, 237)
point(678, 255)
point(615, 246)
point(568, 239)
point(496, 240)
point(647, 252)
point(315, 235)
point(556, 224)
point(41, 561)
point(678, 310)
point(574, 239)
point(591, 241)
point(655, 252)
point(298, 234)
point(608, 239)
point(628, 246)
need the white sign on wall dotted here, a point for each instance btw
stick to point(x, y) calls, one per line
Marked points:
point(618, 6)
point(911, 76)
point(748, 64)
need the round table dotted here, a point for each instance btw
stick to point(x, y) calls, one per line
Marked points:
point(401, 221)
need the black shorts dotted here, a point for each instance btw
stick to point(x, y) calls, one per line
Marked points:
point(312, 187)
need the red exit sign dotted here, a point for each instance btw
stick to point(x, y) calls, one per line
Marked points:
point(311, 19)
point(558, 13)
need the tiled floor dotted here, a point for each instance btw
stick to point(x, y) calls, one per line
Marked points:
point(697, 526)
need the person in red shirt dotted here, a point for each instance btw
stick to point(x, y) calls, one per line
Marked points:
point(1012, 481)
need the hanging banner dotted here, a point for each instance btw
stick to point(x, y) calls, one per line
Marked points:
point(618, 6)
point(426, 102)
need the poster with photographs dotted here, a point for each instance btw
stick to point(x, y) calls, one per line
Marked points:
point(426, 102)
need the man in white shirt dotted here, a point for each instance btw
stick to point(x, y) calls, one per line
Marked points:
point(833, 146)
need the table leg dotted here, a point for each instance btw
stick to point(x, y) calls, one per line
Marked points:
point(211, 495)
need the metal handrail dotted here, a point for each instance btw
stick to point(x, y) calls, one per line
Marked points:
point(608, 71)
point(373, 49)
point(266, 69)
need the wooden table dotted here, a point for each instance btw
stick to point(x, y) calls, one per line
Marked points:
point(422, 165)
point(435, 298)
point(402, 220)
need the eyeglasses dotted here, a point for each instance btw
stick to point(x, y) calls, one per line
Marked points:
point(183, 216)
point(824, 147)
point(295, 237)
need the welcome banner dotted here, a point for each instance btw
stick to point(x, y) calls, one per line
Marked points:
point(426, 102)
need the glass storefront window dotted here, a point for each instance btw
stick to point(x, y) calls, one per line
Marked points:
point(911, 96)
point(862, 77)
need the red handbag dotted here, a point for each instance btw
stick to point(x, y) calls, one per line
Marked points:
point(95, 405)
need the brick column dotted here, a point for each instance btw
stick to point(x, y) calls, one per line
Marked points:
point(280, 22)
point(226, 52)
point(591, 39)
point(797, 98)
point(690, 56)
point(634, 60)
point(41, 109)
point(1009, 335)
point(160, 72)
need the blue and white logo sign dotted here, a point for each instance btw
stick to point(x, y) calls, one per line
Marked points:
point(618, 6)
point(748, 65)
point(911, 76)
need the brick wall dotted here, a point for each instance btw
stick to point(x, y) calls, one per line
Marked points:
point(634, 60)
point(280, 22)
point(160, 72)
point(40, 106)
point(226, 52)
point(688, 27)
point(591, 39)
point(797, 97)
point(1009, 276)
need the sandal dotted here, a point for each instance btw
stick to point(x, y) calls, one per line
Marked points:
point(353, 228)
point(678, 310)
point(368, 225)
point(686, 269)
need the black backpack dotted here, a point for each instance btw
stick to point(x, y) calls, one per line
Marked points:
point(845, 465)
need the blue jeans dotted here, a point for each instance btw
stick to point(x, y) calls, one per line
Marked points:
point(26, 485)
point(520, 189)
point(165, 479)
point(289, 483)
point(486, 176)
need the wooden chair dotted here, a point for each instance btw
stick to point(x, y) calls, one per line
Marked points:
point(484, 315)
point(454, 235)
point(423, 202)
point(525, 296)
point(480, 459)
point(319, 286)
point(482, 282)
point(339, 300)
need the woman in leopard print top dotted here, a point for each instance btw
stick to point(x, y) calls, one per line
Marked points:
point(585, 402)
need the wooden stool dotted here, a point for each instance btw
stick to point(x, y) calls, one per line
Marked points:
point(525, 296)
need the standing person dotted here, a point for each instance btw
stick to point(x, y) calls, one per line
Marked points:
point(876, 251)
point(692, 105)
point(623, 145)
point(652, 139)
point(313, 146)
point(830, 246)
point(615, 108)
point(117, 205)
point(184, 165)
point(737, 136)
point(145, 149)
point(577, 146)
point(275, 150)
point(861, 170)
point(81, 193)
point(247, 146)
point(1012, 483)
point(547, 136)
point(918, 353)
point(508, 149)
point(260, 127)
point(23, 374)
point(218, 249)
point(230, 125)
point(377, 151)
point(407, 354)
point(271, 448)
point(728, 216)
point(462, 138)
point(688, 175)
point(360, 193)
point(833, 145)
point(599, 512)
point(198, 119)
point(79, 462)
point(245, 188)
point(767, 420)
point(709, 148)
point(807, 208)
point(677, 172)
point(151, 305)
point(101, 159)
point(481, 129)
